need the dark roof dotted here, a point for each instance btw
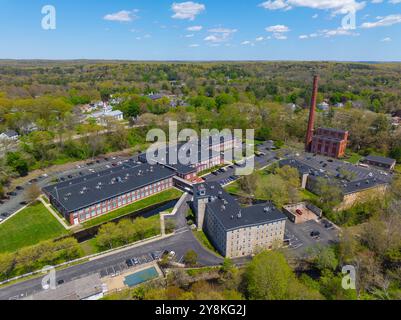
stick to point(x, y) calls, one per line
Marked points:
point(86, 191)
point(201, 156)
point(356, 186)
point(155, 96)
point(379, 159)
point(333, 130)
point(11, 133)
point(231, 215)
point(319, 166)
point(327, 138)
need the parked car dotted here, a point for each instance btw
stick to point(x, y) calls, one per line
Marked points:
point(315, 234)
point(12, 193)
point(23, 203)
point(299, 212)
point(19, 188)
point(60, 282)
point(129, 263)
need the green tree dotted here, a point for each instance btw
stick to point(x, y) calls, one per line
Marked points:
point(326, 259)
point(191, 258)
point(268, 276)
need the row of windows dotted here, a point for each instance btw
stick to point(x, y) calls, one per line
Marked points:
point(128, 198)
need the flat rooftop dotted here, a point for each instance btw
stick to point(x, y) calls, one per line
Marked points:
point(231, 214)
point(379, 159)
point(333, 169)
point(82, 192)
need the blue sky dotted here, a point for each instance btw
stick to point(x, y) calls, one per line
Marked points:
point(202, 30)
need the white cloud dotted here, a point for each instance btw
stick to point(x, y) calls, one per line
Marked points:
point(335, 6)
point(383, 21)
point(338, 32)
point(223, 30)
point(220, 34)
point(195, 45)
point(275, 5)
point(258, 39)
point(315, 16)
point(278, 28)
point(377, 1)
point(189, 36)
point(187, 10)
point(387, 39)
point(279, 36)
point(395, 1)
point(122, 16)
point(304, 36)
point(244, 43)
point(195, 28)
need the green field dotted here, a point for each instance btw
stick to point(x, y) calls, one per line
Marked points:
point(136, 206)
point(204, 241)
point(354, 158)
point(307, 195)
point(29, 227)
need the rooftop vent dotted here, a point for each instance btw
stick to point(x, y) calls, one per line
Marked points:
point(267, 209)
point(239, 215)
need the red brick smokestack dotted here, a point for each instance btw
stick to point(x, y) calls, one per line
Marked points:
point(312, 113)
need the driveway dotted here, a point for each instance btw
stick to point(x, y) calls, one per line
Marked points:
point(180, 243)
point(301, 240)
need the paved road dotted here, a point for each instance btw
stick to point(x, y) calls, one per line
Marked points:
point(180, 243)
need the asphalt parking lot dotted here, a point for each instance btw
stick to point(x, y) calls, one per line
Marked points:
point(300, 238)
point(129, 263)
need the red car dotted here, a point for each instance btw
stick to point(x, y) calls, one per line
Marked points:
point(299, 212)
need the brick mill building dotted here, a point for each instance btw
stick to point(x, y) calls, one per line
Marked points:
point(88, 197)
point(84, 198)
point(233, 230)
point(324, 141)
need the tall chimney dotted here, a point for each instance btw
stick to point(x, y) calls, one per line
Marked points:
point(311, 124)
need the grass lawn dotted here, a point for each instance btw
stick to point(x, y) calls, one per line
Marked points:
point(398, 168)
point(307, 195)
point(354, 158)
point(234, 189)
point(139, 205)
point(204, 241)
point(29, 227)
point(89, 247)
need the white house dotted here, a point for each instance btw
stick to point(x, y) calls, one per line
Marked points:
point(101, 116)
point(9, 135)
